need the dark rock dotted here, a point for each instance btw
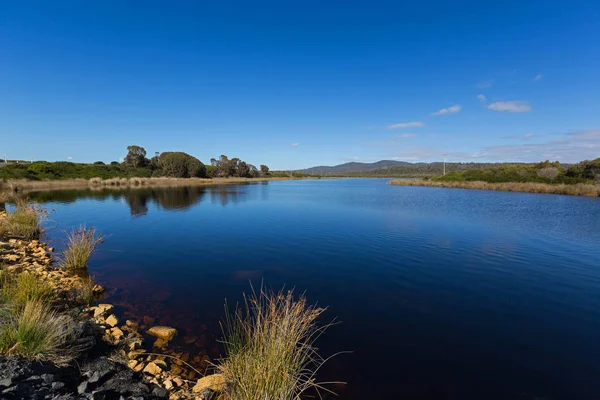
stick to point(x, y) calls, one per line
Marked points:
point(6, 382)
point(160, 392)
point(11, 390)
point(99, 395)
point(47, 378)
point(61, 397)
point(82, 388)
point(95, 377)
point(100, 368)
point(57, 385)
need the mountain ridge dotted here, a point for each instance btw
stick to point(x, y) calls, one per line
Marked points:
point(352, 166)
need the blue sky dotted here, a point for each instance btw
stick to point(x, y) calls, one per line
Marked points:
point(295, 84)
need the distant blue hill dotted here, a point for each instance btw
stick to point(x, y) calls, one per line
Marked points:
point(351, 167)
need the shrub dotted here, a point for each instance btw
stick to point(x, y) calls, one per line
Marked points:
point(40, 167)
point(23, 288)
point(37, 333)
point(81, 243)
point(270, 348)
point(549, 173)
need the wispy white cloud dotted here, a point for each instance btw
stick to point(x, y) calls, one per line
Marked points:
point(482, 99)
point(295, 144)
point(485, 84)
point(538, 77)
point(569, 147)
point(528, 136)
point(510, 106)
point(407, 135)
point(450, 110)
point(402, 125)
point(572, 147)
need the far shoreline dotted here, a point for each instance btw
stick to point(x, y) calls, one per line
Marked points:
point(578, 189)
point(124, 183)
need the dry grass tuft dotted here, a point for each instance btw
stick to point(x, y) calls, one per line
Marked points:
point(579, 189)
point(85, 293)
point(96, 181)
point(18, 290)
point(24, 222)
point(81, 243)
point(38, 333)
point(270, 347)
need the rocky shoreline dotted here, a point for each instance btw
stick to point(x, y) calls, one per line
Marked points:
point(114, 362)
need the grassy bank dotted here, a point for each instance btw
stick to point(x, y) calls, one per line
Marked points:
point(579, 189)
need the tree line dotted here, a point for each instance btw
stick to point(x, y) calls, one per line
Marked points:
point(182, 165)
point(173, 164)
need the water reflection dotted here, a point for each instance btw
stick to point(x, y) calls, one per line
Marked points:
point(224, 195)
point(139, 199)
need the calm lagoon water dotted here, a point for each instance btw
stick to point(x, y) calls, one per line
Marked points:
point(441, 293)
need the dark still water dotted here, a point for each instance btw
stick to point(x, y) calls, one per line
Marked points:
point(442, 293)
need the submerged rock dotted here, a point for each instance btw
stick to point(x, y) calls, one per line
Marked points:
point(163, 332)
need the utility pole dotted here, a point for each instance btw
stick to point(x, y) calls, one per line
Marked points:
point(5, 162)
point(32, 156)
point(444, 155)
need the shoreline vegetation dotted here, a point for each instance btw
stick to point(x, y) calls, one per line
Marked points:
point(579, 189)
point(53, 326)
point(547, 177)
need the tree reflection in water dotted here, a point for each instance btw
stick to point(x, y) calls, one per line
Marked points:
point(139, 199)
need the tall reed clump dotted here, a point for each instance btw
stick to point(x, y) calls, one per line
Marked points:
point(81, 243)
point(270, 347)
point(38, 333)
point(24, 222)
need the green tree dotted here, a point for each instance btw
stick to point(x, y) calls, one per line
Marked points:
point(243, 169)
point(264, 170)
point(181, 165)
point(136, 157)
point(154, 161)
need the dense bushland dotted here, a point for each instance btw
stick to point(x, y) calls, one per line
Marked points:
point(135, 165)
point(544, 172)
